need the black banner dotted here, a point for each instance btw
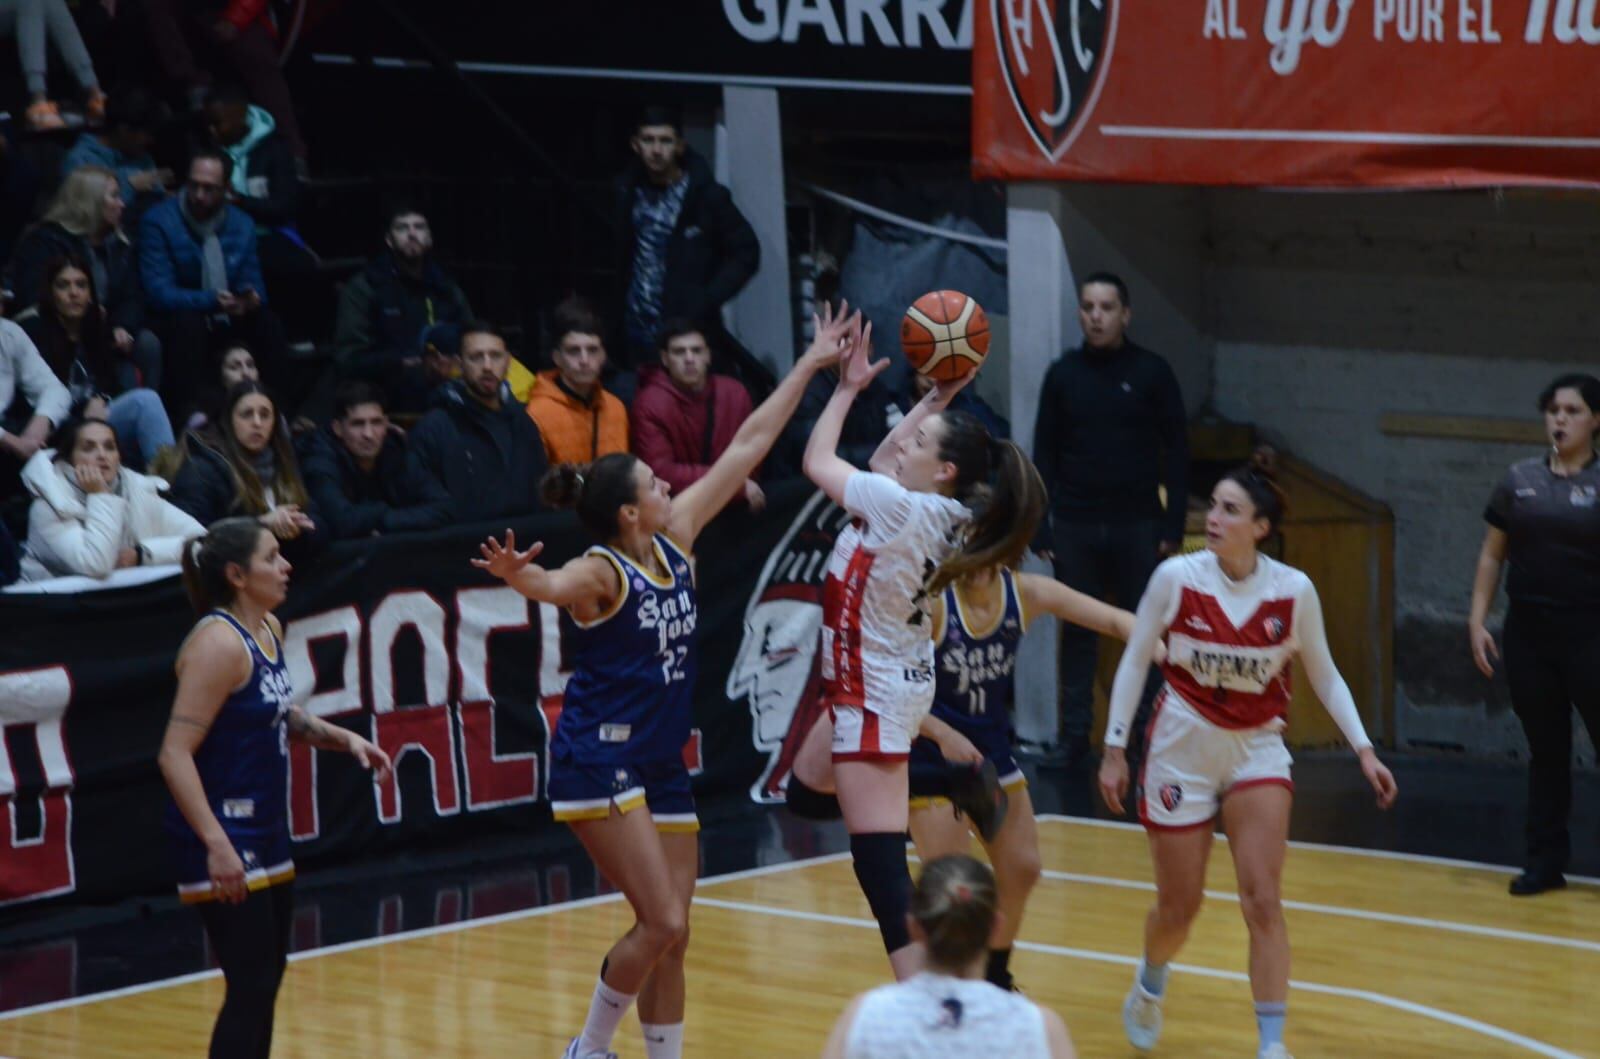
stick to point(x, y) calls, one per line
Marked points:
point(457, 676)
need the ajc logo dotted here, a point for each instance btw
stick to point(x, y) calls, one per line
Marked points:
point(1052, 54)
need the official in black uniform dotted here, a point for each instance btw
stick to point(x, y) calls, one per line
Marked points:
point(1111, 433)
point(1544, 519)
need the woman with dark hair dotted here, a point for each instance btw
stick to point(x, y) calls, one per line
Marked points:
point(91, 515)
point(1233, 620)
point(947, 1009)
point(626, 714)
point(69, 327)
point(247, 467)
point(943, 499)
point(225, 758)
point(1544, 520)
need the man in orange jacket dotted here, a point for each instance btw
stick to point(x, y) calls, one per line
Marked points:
point(579, 419)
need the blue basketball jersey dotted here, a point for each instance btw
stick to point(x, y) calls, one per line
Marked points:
point(244, 768)
point(630, 695)
point(973, 668)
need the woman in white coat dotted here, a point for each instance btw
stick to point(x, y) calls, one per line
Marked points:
point(90, 515)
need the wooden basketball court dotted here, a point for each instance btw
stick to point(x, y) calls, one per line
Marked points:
point(1395, 956)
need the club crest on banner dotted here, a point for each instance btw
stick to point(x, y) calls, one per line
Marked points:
point(1052, 57)
point(778, 667)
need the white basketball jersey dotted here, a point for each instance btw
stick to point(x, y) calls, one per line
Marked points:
point(931, 1016)
point(877, 647)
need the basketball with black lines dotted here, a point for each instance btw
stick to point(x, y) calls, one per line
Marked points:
point(945, 334)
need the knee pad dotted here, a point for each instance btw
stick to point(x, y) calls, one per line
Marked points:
point(809, 803)
point(880, 863)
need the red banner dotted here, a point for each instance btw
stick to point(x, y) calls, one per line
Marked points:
point(1312, 93)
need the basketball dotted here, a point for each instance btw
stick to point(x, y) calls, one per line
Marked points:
point(945, 334)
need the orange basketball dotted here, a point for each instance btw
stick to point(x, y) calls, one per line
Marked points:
point(945, 334)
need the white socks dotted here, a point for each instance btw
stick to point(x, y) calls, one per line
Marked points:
point(605, 1013)
point(663, 1040)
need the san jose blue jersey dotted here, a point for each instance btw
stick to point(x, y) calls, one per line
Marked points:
point(243, 764)
point(630, 695)
point(974, 668)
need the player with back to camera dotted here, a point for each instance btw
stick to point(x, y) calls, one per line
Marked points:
point(627, 709)
point(225, 758)
point(947, 1009)
point(1233, 619)
point(942, 499)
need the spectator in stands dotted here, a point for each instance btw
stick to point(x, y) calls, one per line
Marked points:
point(247, 467)
point(262, 180)
point(478, 443)
point(684, 247)
point(1111, 433)
point(358, 474)
point(237, 364)
point(32, 402)
point(242, 31)
point(123, 146)
point(34, 23)
point(202, 281)
point(684, 416)
point(386, 309)
point(91, 515)
point(85, 221)
point(578, 418)
point(70, 329)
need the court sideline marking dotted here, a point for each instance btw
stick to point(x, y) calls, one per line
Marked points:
point(1410, 1007)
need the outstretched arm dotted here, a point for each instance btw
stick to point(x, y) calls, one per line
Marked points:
point(587, 582)
point(699, 503)
point(822, 463)
point(934, 401)
point(1049, 596)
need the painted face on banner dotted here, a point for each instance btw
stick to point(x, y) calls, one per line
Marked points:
point(777, 669)
point(1052, 53)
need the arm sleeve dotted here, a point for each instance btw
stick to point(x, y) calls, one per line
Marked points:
point(882, 501)
point(1323, 674)
point(1173, 422)
point(45, 393)
point(89, 547)
point(1156, 608)
point(1498, 511)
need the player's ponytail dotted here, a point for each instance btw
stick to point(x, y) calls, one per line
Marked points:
point(229, 541)
point(597, 490)
point(1259, 479)
point(954, 903)
point(1000, 484)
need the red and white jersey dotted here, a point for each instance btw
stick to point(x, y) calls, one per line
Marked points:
point(1230, 644)
point(877, 652)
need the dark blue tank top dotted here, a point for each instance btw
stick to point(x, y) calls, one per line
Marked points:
point(973, 669)
point(631, 692)
point(244, 759)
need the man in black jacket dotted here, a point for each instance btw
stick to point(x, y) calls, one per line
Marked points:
point(1111, 433)
point(357, 471)
point(684, 246)
point(385, 309)
point(478, 443)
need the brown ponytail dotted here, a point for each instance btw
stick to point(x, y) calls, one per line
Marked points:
point(598, 490)
point(954, 903)
point(997, 480)
point(227, 542)
point(1259, 479)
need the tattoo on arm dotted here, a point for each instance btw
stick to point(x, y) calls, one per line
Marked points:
point(313, 730)
point(204, 726)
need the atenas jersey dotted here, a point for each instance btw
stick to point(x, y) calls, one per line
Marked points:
point(1230, 643)
point(630, 695)
point(974, 668)
point(243, 764)
point(877, 651)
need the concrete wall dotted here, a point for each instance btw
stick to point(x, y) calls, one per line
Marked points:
point(1310, 315)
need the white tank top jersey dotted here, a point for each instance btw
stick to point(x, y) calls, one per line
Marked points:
point(930, 1016)
point(876, 611)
